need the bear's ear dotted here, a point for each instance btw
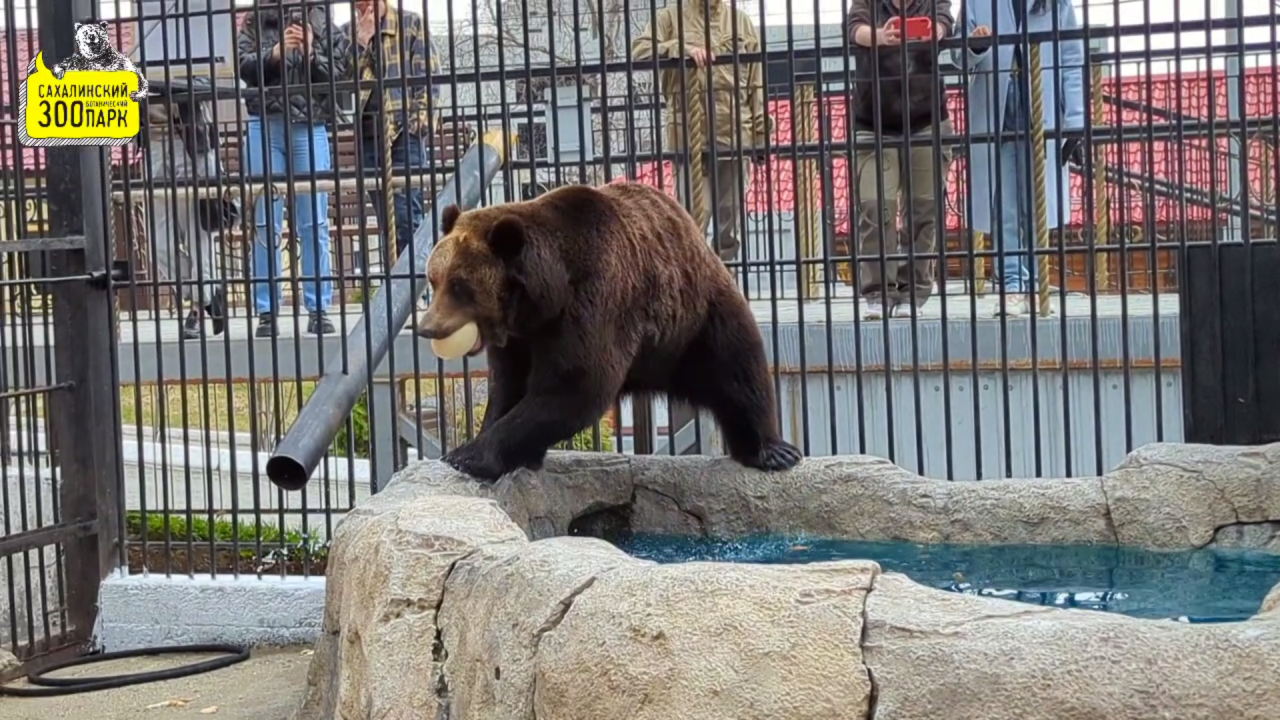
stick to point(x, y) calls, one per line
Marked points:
point(103, 23)
point(78, 26)
point(506, 237)
point(449, 218)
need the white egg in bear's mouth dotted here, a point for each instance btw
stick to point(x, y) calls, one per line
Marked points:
point(464, 340)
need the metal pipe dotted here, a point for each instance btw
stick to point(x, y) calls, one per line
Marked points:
point(347, 373)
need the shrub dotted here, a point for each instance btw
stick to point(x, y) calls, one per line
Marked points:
point(159, 527)
point(353, 438)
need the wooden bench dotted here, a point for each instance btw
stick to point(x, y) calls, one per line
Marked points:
point(1082, 273)
point(1081, 262)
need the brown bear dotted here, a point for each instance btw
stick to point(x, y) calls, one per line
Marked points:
point(586, 294)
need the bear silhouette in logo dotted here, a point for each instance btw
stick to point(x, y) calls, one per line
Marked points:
point(94, 52)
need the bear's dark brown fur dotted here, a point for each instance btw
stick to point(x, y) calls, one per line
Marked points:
point(585, 294)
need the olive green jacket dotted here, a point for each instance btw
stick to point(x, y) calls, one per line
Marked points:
point(737, 89)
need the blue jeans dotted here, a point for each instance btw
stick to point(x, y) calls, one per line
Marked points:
point(1013, 217)
point(305, 150)
point(1014, 224)
point(407, 152)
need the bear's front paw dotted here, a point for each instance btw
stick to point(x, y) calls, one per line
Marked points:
point(472, 460)
point(139, 96)
point(781, 456)
point(775, 456)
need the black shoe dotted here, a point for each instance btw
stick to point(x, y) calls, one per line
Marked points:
point(217, 311)
point(192, 327)
point(266, 326)
point(319, 324)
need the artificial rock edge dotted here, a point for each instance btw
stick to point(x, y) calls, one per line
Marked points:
point(451, 599)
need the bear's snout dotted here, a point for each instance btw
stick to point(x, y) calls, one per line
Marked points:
point(431, 327)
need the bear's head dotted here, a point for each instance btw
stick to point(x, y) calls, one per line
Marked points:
point(92, 41)
point(491, 267)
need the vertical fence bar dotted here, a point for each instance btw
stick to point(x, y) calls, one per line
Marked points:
point(85, 347)
point(1234, 230)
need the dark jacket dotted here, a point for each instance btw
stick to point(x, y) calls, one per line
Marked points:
point(907, 98)
point(330, 59)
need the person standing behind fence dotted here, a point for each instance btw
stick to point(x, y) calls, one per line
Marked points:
point(909, 110)
point(1000, 102)
point(182, 146)
point(736, 120)
point(394, 45)
point(288, 136)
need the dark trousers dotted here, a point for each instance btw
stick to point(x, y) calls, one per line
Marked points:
point(408, 152)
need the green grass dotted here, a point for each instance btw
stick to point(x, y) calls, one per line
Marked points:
point(218, 407)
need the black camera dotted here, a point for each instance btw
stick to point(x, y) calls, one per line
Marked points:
point(295, 16)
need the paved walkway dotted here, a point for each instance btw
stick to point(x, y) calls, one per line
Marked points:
point(266, 687)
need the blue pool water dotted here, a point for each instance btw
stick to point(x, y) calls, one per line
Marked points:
point(1212, 585)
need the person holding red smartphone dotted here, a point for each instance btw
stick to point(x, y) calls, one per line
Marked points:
point(898, 98)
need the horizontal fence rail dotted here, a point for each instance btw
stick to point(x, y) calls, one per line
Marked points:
point(970, 280)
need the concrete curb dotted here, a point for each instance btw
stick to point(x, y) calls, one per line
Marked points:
point(154, 610)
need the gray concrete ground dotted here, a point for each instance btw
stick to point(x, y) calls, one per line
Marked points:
point(266, 687)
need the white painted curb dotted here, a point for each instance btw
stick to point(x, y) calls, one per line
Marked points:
point(152, 610)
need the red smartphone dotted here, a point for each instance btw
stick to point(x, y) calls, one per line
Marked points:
point(916, 28)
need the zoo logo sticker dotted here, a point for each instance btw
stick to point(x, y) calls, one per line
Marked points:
point(92, 98)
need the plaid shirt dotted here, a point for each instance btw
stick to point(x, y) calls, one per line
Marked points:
point(417, 116)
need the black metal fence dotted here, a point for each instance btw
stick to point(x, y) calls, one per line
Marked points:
point(1005, 329)
point(59, 406)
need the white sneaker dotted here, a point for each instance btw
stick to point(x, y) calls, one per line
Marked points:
point(873, 310)
point(1013, 305)
point(904, 310)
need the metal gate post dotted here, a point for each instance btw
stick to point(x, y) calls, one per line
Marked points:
point(85, 415)
point(1230, 327)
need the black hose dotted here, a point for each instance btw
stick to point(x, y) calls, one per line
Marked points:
point(70, 686)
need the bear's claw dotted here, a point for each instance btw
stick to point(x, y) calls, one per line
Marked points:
point(778, 456)
point(469, 460)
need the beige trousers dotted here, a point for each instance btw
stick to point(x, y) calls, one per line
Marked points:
point(899, 182)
